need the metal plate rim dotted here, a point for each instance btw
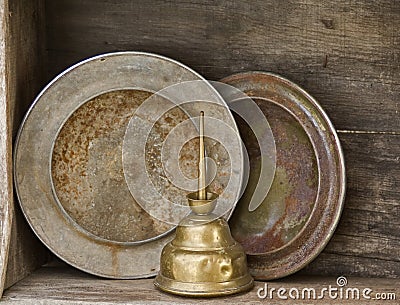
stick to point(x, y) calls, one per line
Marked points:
point(257, 262)
point(16, 152)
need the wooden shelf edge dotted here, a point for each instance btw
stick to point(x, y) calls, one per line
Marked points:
point(66, 285)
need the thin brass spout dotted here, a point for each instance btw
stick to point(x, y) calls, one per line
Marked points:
point(202, 165)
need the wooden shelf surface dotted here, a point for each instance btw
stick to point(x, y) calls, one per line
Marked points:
point(66, 285)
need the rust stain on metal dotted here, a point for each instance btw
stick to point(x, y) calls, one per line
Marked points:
point(289, 203)
point(87, 170)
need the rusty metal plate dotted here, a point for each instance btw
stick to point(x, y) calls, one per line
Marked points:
point(72, 163)
point(299, 215)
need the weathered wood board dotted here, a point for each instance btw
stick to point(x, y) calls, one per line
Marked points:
point(23, 73)
point(67, 286)
point(6, 209)
point(367, 239)
point(345, 53)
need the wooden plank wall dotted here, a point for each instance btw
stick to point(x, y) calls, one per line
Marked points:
point(24, 78)
point(344, 53)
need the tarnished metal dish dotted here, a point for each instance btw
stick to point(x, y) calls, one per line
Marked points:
point(76, 157)
point(299, 215)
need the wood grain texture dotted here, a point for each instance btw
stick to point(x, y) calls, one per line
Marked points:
point(24, 73)
point(67, 286)
point(367, 239)
point(345, 53)
point(6, 208)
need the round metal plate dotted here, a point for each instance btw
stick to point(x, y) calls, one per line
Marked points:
point(69, 171)
point(300, 213)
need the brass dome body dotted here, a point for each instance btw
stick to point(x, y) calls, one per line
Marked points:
point(203, 259)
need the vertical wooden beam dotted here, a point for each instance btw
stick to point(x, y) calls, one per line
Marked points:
point(22, 50)
point(6, 193)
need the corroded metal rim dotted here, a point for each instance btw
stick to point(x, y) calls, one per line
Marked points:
point(34, 144)
point(324, 217)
